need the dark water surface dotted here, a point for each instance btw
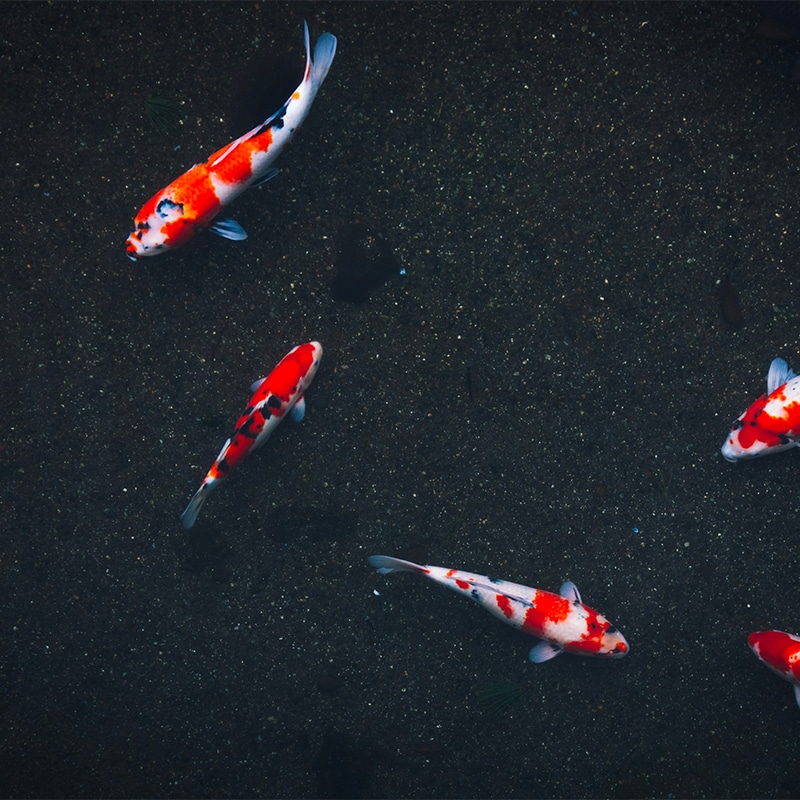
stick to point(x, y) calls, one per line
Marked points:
point(542, 397)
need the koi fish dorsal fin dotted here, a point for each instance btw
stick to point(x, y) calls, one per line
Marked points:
point(779, 373)
point(570, 591)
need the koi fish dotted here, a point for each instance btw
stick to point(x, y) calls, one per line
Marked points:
point(189, 204)
point(280, 392)
point(561, 620)
point(772, 423)
point(781, 653)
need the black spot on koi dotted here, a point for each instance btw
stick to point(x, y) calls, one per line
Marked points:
point(166, 205)
point(275, 122)
point(251, 428)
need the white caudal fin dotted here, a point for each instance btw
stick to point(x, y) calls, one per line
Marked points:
point(324, 51)
point(778, 374)
point(189, 516)
point(387, 564)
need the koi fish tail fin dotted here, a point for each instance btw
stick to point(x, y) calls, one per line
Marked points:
point(189, 516)
point(387, 564)
point(324, 51)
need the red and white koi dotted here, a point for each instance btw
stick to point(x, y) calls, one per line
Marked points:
point(781, 653)
point(772, 423)
point(190, 204)
point(561, 620)
point(282, 391)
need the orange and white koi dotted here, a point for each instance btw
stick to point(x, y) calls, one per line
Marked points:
point(191, 203)
point(282, 391)
point(781, 653)
point(561, 620)
point(772, 423)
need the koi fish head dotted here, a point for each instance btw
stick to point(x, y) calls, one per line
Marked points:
point(584, 632)
point(161, 225)
point(598, 638)
point(749, 439)
point(601, 639)
point(779, 651)
point(772, 423)
point(614, 644)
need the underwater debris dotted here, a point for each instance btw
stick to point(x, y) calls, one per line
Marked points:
point(728, 299)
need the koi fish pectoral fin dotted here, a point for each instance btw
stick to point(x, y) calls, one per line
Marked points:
point(256, 385)
point(299, 409)
point(229, 229)
point(544, 651)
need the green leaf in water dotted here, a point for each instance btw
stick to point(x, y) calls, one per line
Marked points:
point(164, 114)
point(497, 696)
